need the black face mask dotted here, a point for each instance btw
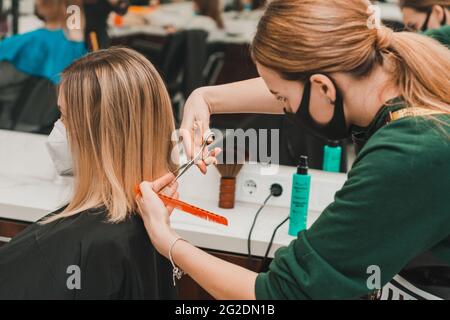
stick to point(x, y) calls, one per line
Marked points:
point(336, 129)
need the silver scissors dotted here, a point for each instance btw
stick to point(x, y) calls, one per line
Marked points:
point(184, 168)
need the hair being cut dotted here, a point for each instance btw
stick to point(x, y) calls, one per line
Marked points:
point(119, 123)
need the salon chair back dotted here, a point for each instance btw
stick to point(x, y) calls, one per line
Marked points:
point(187, 64)
point(172, 60)
point(196, 60)
point(183, 59)
point(27, 103)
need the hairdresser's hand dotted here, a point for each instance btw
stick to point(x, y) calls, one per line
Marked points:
point(155, 214)
point(195, 127)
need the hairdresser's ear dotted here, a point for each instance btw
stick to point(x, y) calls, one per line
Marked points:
point(438, 12)
point(326, 87)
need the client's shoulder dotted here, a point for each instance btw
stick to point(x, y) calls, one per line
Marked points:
point(97, 225)
point(92, 227)
point(127, 239)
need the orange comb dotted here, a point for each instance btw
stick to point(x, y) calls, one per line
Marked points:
point(188, 208)
point(198, 212)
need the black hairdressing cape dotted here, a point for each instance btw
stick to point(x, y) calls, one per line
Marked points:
point(84, 257)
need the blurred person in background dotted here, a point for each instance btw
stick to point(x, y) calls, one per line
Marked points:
point(97, 13)
point(47, 51)
point(429, 16)
point(208, 12)
point(30, 67)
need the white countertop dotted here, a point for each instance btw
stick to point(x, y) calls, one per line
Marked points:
point(30, 189)
point(29, 199)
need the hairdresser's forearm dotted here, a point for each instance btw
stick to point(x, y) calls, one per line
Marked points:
point(223, 280)
point(249, 96)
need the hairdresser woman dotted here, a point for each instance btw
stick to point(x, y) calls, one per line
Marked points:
point(429, 16)
point(323, 66)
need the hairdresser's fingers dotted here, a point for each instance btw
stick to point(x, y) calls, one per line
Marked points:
point(152, 208)
point(170, 208)
point(202, 135)
point(150, 200)
point(212, 157)
point(146, 210)
point(191, 133)
point(196, 111)
point(209, 160)
point(186, 135)
point(208, 137)
point(206, 152)
point(202, 166)
point(193, 139)
point(198, 139)
point(162, 182)
point(215, 152)
point(170, 190)
point(148, 193)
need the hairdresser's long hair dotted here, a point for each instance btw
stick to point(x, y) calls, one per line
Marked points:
point(119, 122)
point(300, 38)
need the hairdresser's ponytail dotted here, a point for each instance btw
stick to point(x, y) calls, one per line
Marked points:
point(422, 70)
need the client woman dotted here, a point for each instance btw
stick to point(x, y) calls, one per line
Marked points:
point(118, 119)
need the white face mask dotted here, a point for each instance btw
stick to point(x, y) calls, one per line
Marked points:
point(58, 148)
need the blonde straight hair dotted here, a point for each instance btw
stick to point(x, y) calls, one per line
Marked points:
point(119, 123)
point(301, 38)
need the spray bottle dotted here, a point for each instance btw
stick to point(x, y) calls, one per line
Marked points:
point(301, 185)
point(332, 157)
